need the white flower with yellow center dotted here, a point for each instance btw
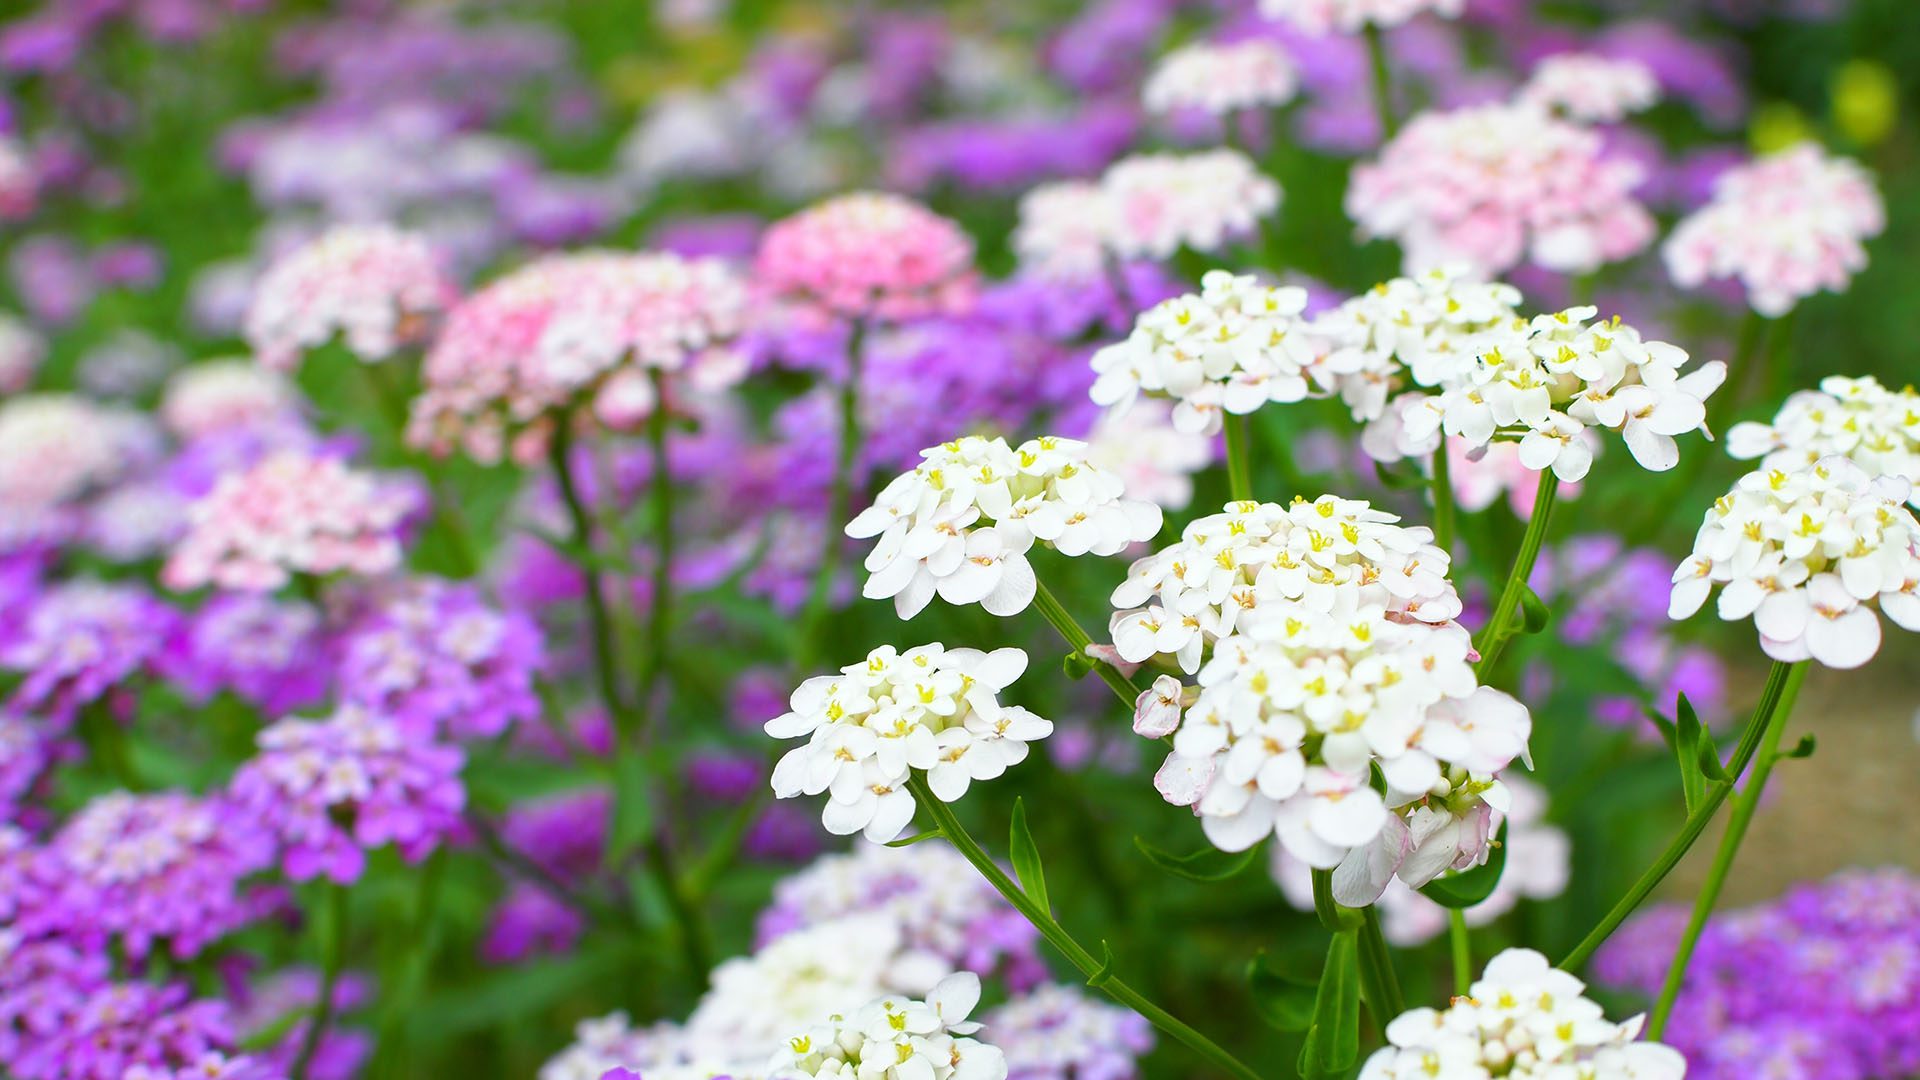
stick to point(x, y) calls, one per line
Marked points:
point(896, 1038)
point(1858, 419)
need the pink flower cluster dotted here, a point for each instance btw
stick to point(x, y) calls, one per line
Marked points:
point(1591, 88)
point(224, 395)
point(1490, 185)
point(1349, 16)
point(569, 330)
point(291, 513)
point(335, 788)
point(378, 288)
point(868, 255)
point(54, 448)
point(1785, 226)
point(1219, 79)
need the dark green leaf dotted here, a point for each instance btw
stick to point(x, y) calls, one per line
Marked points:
point(1466, 889)
point(1801, 749)
point(1400, 478)
point(632, 813)
point(1207, 864)
point(1708, 760)
point(1283, 1001)
point(1333, 1036)
point(1026, 858)
point(1533, 611)
point(909, 841)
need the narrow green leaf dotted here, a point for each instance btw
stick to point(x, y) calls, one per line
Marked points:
point(1077, 665)
point(1534, 612)
point(909, 841)
point(1026, 858)
point(1207, 864)
point(1333, 1036)
point(1399, 478)
point(1283, 1001)
point(1463, 890)
point(1686, 752)
point(1708, 760)
point(1801, 749)
point(1105, 975)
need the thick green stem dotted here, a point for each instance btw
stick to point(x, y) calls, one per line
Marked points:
point(1499, 626)
point(1771, 697)
point(694, 947)
point(1332, 916)
point(1443, 509)
point(1378, 982)
point(1382, 83)
point(599, 620)
point(806, 646)
point(336, 958)
point(1069, 629)
point(1239, 459)
point(1462, 948)
point(1744, 806)
point(1099, 973)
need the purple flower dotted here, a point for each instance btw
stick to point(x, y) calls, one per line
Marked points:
point(117, 1029)
point(43, 982)
point(81, 639)
point(566, 833)
point(25, 754)
point(266, 1006)
point(269, 652)
point(529, 922)
point(335, 788)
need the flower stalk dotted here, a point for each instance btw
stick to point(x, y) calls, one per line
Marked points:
point(329, 979)
point(1500, 625)
point(1069, 629)
point(1239, 459)
point(838, 501)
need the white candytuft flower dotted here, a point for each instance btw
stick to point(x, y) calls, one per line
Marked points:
point(1218, 79)
point(930, 708)
point(759, 999)
point(1524, 1020)
point(961, 524)
point(377, 288)
point(223, 395)
point(1064, 231)
point(1592, 88)
point(1231, 349)
point(1348, 16)
point(1327, 555)
point(896, 1038)
point(1163, 202)
point(1858, 419)
point(1809, 554)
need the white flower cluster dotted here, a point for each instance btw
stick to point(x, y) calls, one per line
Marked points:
point(1858, 419)
point(894, 1038)
point(1592, 88)
point(1299, 707)
point(1328, 554)
point(55, 448)
point(224, 395)
point(1231, 349)
point(1809, 554)
point(929, 708)
point(1348, 16)
point(1219, 79)
point(961, 524)
point(21, 352)
point(1163, 202)
point(1063, 230)
point(1523, 1020)
point(375, 286)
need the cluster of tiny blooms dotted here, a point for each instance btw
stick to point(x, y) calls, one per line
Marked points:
point(53, 449)
point(377, 288)
point(437, 658)
point(257, 646)
point(597, 329)
point(930, 708)
point(1549, 381)
point(1785, 226)
point(1065, 230)
point(1525, 1020)
point(1236, 346)
point(332, 789)
point(1591, 88)
point(868, 255)
point(1850, 945)
point(21, 352)
point(1058, 1032)
point(1161, 203)
point(1809, 554)
point(895, 1038)
point(293, 513)
point(962, 522)
point(121, 1031)
point(1561, 201)
point(1858, 419)
point(81, 639)
point(161, 869)
point(1349, 16)
point(1219, 79)
point(225, 395)
point(1326, 554)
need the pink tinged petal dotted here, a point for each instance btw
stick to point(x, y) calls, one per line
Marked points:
point(1183, 780)
point(1363, 875)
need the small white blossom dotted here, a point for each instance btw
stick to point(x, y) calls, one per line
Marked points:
point(1591, 88)
point(1858, 419)
point(1348, 16)
point(1164, 202)
point(896, 1038)
point(1064, 230)
point(1809, 555)
point(930, 708)
point(1219, 79)
point(961, 524)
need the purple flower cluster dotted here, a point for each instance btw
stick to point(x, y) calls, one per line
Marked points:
point(1822, 983)
point(566, 836)
point(81, 639)
point(123, 1030)
point(333, 789)
point(270, 652)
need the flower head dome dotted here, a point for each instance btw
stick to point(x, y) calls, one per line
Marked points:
point(55, 448)
point(223, 395)
point(894, 1038)
point(79, 640)
point(1561, 202)
point(377, 288)
point(1591, 88)
point(1250, 74)
point(868, 255)
point(1858, 419)
point(1811, 555)
point(591, 329)
point(1786, 226)
point(1163, 202)
point(1065, 230)
point(1349, 16)
point(21, 351)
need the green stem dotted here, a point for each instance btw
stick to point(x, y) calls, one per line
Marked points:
point(421, 939)
point(806, 647)
point(1462, 948)
point(1098, 973)
point(1332, 916)
point(1744, 806)
point(599, 621)
point(1779, 358)
point(390, 395)
point(1382, 83)
point(1239, 460)
point(1499, 628)
point(1443, 510)
point(694, 947)
point(660, 612)
point(329, 978)
point(1378, 983)
point(1778, 680)
point(1122, 687)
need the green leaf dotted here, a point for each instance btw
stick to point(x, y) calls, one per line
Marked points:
point(632, 812)
point(1463, 890)
point(1283, 1001)
point(1400, 478)
point(1534, 612)
point(1708, 760)
point(1801, 749)
point(1026, 858)
point(1207, 864)
point(1333, 1035)
point(1105, 975)
point(909, 841)
point(1077, 665)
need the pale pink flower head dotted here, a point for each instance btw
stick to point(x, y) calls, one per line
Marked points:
point(224, 395)
point(868, 255)
point(1163, 202)
point(1481, 478)
point(1218, 79)
point(1785, 226)
point(19, 187)
point(1349, 16)
point(1490, 186)
point(291, 514)
point(591, 329)
point(21, 352)
point(378, 288)
point(1064, 230)
point(1591, 88)
point(55, 448)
